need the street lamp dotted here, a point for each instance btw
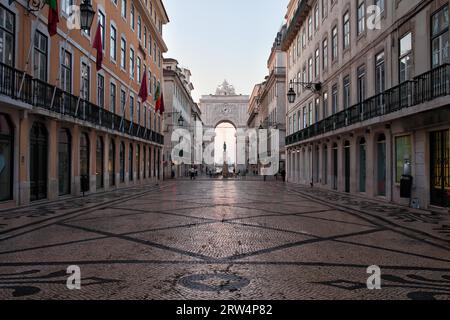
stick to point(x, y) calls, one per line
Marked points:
point(86, 15)
point(314, 87)
point(291, 95)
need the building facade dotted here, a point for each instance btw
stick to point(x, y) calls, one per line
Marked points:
point(381, 107)
point(267, 106)
point(181, 112)
point(64, 127)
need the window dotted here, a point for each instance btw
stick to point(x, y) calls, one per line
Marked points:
point(316, 17)
point(102, 22)
point(346, 92)
point(310, 70)
point(65, 6)
point(132, 17)
point(317, 63)
point(439, 38)
point(316, 110)
point(325, 54)
point(138, 113)
point(361, 84)
point(138, 69)
point(380, 4)
point(405, 58)
point(85, 81)
point(361, 16)
point(139, 28)
point(325, 105)
point(131, 108)
point(123, 98)
point(101, 91)
point(310, 30)
point(131, 63)
point(66, 71)
point(7, 36)
point(123, 9)
point(145, 37)
point(113, 43)
point(150, 44)
point(123, 58)
point(294, 124)
point(380, 77)
point(310, 113)
point(346, 29)
point(335, 101)
point(112, 98)
point(305, 117)
point(324, 8)
point(40, 56)
point(403, 151)
point(334, 44)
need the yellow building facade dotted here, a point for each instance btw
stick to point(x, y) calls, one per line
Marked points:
point(66, 127)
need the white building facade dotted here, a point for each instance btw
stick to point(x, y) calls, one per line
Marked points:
point(383, 98)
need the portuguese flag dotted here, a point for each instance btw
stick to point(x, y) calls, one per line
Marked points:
point(159, 106)
point(53, 16)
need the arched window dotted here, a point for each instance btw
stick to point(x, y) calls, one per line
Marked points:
point(362, 164)
point(112, 163)
point(381, 165)
point(38, 162)
point(84, 156)
point(99, 163)
point(64, 161)
point(130, 163)
point(6, 159)
point(122, 162)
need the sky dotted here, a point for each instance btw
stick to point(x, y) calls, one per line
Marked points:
point(219, 40)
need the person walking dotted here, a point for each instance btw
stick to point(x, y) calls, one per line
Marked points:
point(192, 173)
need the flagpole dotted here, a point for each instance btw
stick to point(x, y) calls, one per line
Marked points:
point(125, 104)
point(28, 57)
point(58, 76)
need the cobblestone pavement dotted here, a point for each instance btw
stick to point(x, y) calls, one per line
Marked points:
point(223, 240)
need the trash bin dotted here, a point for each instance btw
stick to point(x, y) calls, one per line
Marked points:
point(84, 181)
point(406, 184)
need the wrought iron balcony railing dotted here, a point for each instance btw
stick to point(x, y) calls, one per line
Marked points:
point(40, 94)
point(428, 86)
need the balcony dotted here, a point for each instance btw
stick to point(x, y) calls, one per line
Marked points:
point(426, 87)
point(42, 95)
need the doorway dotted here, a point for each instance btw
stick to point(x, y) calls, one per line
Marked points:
point(440, 168)
point(38, 162)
